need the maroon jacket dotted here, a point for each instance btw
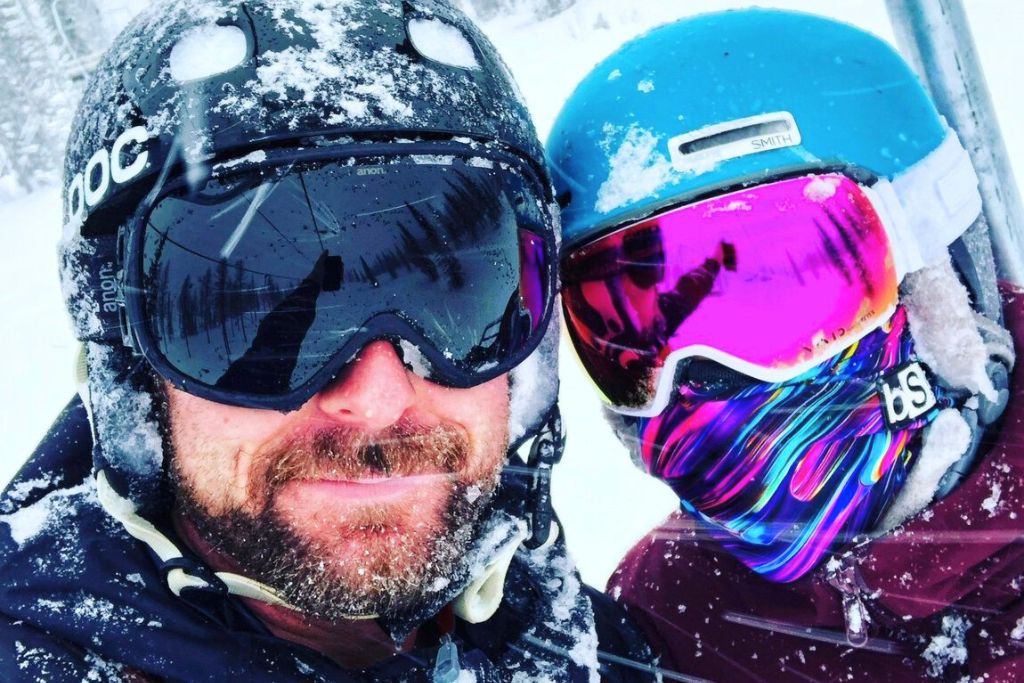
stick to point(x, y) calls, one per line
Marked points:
point(941, 595)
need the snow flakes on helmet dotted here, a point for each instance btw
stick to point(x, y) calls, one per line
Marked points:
point(308, 69)
point(637, 170)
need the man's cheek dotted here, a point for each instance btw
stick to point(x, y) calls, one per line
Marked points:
point(219, 480)
point(192, 415)
point(482, 475)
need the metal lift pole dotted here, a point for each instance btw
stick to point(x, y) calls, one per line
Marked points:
point(936, 37)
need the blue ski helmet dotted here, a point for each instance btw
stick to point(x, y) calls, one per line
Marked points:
point(626, 142)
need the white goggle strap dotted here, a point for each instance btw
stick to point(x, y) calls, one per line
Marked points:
point(929, 206)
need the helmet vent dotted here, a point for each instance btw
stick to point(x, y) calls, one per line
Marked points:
point(704, 148)
point(206, 51)
point(443, 43)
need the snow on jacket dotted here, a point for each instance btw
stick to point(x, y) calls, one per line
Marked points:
point(941, 594)
point(81, 600)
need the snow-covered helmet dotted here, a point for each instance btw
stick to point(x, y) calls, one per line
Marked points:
point(711, 105)
point(198, 88)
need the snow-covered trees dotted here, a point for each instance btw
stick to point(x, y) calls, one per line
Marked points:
point(35, 90)
point(47, 47)
point(485, 10)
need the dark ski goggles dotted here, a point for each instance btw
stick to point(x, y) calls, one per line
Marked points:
point(256, 288)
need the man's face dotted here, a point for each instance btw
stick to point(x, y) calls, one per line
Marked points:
point(360, 502)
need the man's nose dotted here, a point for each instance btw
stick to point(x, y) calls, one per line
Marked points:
point(372, 392)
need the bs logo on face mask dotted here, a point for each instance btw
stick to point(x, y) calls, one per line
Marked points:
point(88, 189)
point(906, 395)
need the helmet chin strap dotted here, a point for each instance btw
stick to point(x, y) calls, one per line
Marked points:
point(546, 450)
point(176, 566)
point(477, 602)
point(482, 597)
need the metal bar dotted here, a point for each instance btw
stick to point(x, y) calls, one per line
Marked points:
point(935, 37)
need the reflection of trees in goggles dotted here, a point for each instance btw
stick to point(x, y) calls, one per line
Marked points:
point(275, 274)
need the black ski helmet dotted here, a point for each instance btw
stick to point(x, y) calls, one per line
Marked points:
point(333, 73)
point(194, 83)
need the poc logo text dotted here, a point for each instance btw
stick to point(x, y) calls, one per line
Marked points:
point(88, 188)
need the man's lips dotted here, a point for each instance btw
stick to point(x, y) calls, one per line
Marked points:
point(368, 489)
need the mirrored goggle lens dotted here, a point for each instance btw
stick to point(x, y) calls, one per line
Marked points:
point(768, 281)
point(256, 284)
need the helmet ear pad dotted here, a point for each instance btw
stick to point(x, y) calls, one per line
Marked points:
point(955, 340)
point(124, 400)
point(974, 263)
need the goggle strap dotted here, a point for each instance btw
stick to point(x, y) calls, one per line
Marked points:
point(930, 205)
point(103, 284)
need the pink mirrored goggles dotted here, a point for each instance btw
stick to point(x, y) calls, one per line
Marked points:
point(768, 281)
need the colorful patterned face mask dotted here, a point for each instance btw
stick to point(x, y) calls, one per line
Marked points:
point(780, 473)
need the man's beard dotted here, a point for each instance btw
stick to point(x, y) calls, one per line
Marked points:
point(403, 554)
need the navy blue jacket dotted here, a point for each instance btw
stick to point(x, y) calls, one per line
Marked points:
point(81, 600)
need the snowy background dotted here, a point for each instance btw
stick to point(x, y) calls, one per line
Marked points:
point(605, 504)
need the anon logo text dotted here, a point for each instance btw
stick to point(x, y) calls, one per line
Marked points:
point(109, 290)
point(88, 188)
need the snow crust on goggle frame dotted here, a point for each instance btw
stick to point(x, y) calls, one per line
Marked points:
point(909, 222)
point(257, 286)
